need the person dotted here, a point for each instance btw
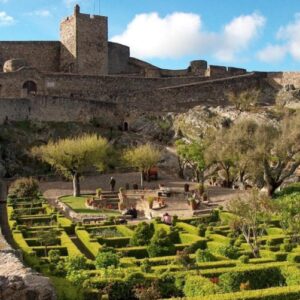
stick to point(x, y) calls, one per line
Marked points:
point(133, 212)
point(167, 219)
point(112, 183)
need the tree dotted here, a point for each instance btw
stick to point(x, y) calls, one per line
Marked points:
point(192, 155)
point(72, 156)
point(244, 100)
point(143, 157)
point(219, 153)
point(48, 238)
point(252, 212)
point(142, 234)
point(277, 151)
point(161, 244)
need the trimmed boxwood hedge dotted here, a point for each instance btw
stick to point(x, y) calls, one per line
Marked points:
point(278, 293)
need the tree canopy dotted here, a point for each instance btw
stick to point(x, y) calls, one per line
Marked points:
point(142, 157)
point(72, 156)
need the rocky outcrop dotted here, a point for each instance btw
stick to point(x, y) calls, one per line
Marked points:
point(198, 121)
point(18, 282)
point(21, 283)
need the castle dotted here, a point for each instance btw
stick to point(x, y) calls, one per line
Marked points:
point(84, 75)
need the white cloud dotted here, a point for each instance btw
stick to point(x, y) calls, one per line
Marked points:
point(3, 1)
point(40, 13)
point(179, 34)
point(272, 53)
point(290, 45)
point(5, 19)
point(238, 34)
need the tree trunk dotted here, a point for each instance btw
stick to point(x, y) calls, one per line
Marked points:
point(76, 185)
point(142, 180)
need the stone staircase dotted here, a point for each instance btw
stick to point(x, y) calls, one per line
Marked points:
point(111, 197)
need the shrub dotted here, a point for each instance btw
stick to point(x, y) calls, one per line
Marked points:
point(24, 188)
point(168, 287)
point(174, 235)
point(244, 259)
point(293, 258)
point(142, 234)
point(198, 286)
point(184, 259)
point(214, 216)
point(98, 192)
point(76, 263)
point(204, 256)
point(148, 293)
point(107, 257)
point(201, 230)
point(292, 275)
point(54, 256)
point(160, 244)
point(258, 278)
point(146, 266)
point(229, 251)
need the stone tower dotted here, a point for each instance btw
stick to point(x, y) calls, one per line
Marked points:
point(84, 44)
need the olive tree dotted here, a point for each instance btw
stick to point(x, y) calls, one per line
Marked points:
point(252, 212)
point(193, 155)
point(143, 157)
point(72, 156)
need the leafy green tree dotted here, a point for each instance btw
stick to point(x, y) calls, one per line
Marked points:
point(72, 156)
point(142, 234)
point(161, 244)
point(252, 213)
point(193, 155)
point(106, 257)
point(48, 238)
point(277, 151)
point(219, 153)
point(143, 157)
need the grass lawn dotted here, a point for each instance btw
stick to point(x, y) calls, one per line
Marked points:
point(78, 205)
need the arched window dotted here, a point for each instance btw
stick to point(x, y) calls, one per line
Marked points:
point(30, 87)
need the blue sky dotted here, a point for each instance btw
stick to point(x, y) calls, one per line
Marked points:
point(255, 34)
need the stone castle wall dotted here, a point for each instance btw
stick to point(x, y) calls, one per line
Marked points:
point(178, 98)
point(41, 55)
point(285, 78)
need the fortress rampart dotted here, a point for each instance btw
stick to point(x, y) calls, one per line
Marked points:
point(84, 74)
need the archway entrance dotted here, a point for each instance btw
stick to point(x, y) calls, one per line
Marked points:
point(30, 87)
point(125, 126)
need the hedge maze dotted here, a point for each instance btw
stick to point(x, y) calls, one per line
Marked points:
point(199, 257)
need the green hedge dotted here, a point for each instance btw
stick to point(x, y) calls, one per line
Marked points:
point(125, 230)
point(92, 245)
point(278, 293)
point(138, 252)
point(258, 278)
point(187, 227)
point(116, 242)
point(68, 243)
point(40, 251)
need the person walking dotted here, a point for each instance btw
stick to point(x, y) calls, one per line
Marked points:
point(112, 184)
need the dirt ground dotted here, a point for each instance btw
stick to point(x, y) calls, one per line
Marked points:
point(54, 189)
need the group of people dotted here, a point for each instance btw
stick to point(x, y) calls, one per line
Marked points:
point(131, 212)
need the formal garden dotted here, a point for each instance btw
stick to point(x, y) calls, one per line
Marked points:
point(248, 250)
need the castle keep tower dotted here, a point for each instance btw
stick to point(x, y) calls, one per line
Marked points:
point(84, 44)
